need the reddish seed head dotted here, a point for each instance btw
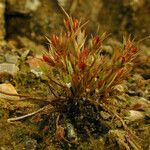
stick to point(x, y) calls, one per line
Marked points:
point(82, 58)
point(83, 54)
point(134, 50)
point(46, 58)
point(76, 24)
point(67, 24)
point(129, 44)
point(55, 40)
point(96, 40)
point(82, 65)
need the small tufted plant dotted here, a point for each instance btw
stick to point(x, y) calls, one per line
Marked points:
point(76, 67)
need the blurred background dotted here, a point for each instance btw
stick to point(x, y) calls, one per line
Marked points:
point(37, 18)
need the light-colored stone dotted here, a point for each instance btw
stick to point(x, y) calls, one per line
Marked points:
point(23, 6)
point(119, 88)
point(11, 58)
point(36, 66)
point(105, 115)
point(8, 88)
point(9, 68)
point(135, 116)
point(32, 5)
point(140, 104)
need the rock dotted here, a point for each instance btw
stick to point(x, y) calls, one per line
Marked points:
point(8, 88)
point(37, 72)
point(23, 6)
point(11, 58)
point(71, 134)
point(105, 115)
point(32, 5)
point(36, 66)
point(140, 104)
point(9, 68)
point(30, 144)
point(120, 88)
point(135, 116)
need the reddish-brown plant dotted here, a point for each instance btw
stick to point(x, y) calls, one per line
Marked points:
point(79, 69)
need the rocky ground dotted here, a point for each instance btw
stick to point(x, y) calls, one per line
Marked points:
point(23, 27)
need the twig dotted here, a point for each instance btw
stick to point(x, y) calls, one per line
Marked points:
point(10, 120)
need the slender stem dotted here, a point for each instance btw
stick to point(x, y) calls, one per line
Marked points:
point(57, 83)
point(10, 120)
point(21, 95)
point(50, 100)
point(52, 90)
